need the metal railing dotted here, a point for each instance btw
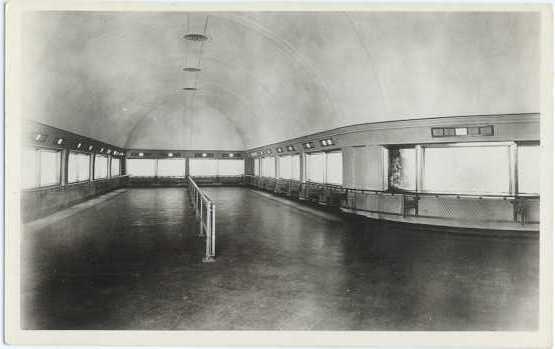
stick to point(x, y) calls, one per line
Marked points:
point(205, 210)
point(521, 208)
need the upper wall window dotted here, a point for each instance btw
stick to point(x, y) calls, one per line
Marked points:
point(285, 167)
point(334, 167)
point(402, 168)
point(290, 167)
point(78, 167)
point(315, 167)
point(141, 167)
point(171, 168)
point(40, 168)
point(115, 167)
point(100, 166)
point(529, 162)
point(296, 167)
point(467, 169)
point(203, 167)
point(269, 167)
point(231, 167)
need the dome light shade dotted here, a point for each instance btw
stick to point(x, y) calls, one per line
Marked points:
point(195, 37)
point(189, 88)
point(191, 69)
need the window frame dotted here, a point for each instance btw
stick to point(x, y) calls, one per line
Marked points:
point(38, 150)
point(90, 174)
point(107, 167)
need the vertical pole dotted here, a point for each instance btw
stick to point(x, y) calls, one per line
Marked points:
point(208, 231)
point(213, 231)
point(201, 216)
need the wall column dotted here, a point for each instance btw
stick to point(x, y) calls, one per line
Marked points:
point(302, 166)
point(187, 166)
point(419, 150)
point(64, 167)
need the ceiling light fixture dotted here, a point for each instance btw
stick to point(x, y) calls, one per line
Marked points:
point(189, 89)
point(191, 69)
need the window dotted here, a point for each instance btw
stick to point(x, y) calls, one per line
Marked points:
point(231, 167)
point(402, 168)
point(529, 160)
point(285, 167)
point(141, 167)
point(257, 167)
point(203, 167)
point(334, 167)
point(115, 167)
point(78, 167)
point(315, 167)
point(467, 169)
point(171, 168)
point(30, 168)
point(296, 167)
point(50, 161)
point(268, 167)
point(100, 166)
point(40, 167)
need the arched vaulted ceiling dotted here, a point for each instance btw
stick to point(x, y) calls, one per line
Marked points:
point(269, 76)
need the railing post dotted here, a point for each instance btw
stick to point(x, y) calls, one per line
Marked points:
point(201, 225)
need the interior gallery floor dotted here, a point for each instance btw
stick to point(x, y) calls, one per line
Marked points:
point(131, 261)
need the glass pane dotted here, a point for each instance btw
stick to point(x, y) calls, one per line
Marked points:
point(78, 167)
point(268, 167)
point(171, 168)
point(315, 167)
point(296, 167)
point(100, 166)
point(231, 167)
point(470, 170)
point(84, 164)
point(29, 169)
point(334, 168)
point(529, 163)
point(402, 168)
point(203, 167)
point(49, 167)
point(285, 167)
point(257, 167)
point(140, 167)
point(115, 167)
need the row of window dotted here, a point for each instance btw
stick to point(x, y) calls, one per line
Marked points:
point(42, 167)
point(466, 169)
point(176, 167)
point(321, 167)
point(469, 168)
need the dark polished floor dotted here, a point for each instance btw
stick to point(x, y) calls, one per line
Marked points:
point(134, 262)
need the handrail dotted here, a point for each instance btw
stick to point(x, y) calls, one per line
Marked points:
point(205, 210)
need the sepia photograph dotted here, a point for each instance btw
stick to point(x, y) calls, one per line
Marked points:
point(185, 170)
